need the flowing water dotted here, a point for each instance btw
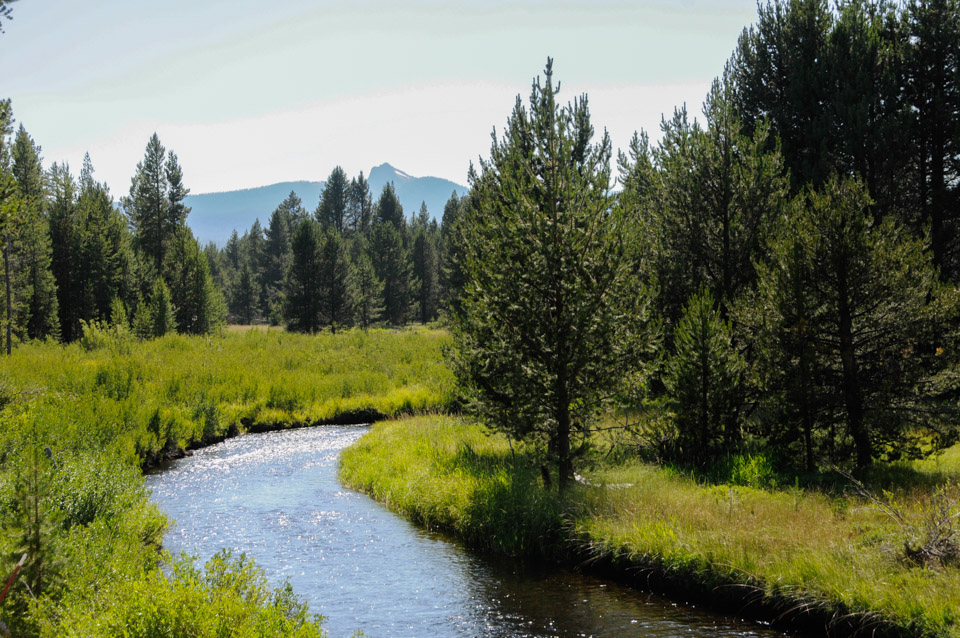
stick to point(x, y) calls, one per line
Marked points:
point(276, 497)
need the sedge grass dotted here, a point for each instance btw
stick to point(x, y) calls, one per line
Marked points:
point(803, 553)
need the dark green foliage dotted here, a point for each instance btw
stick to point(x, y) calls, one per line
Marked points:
point(334, 200)
point(704, 379)
point(388, 208)
point(425, 266)
point(450, 273)
point(554, 320)
point(30, 258)
point(301, 303)
point(704, 201)
point(359, 206)
point(102, 254)
point(932, 76)
point(277, 257)
point(369, 288)
point(160, 317)
point(244, 303)
point(198, 304)
point(155, 204)
point(64, 238)
point(337, 291)
point(853, 310)
point(391, 263)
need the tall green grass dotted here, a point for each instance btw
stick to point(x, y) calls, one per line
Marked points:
point(77, 422)
point(180, 391)
point(798, 551)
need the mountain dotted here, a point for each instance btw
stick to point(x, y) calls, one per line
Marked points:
point(214, 216)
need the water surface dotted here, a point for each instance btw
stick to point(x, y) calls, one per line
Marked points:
point(276, 497)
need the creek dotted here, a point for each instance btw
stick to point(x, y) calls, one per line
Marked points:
point(275, 496)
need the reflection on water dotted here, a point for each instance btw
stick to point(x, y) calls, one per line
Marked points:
point(275, 496)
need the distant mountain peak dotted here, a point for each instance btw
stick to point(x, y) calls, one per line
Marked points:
point(388, 173)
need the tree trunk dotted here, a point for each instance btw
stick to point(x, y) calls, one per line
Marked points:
point(852, 395)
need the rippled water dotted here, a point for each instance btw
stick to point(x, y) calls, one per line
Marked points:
point(275, 496)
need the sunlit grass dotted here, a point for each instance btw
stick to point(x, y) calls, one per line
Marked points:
point(798, 550)
point(182, 390)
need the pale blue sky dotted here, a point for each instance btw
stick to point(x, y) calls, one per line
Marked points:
point(250, 93)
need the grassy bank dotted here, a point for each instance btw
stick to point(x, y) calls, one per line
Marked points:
point(179, 391)
point(802, 554)
point(79, 422)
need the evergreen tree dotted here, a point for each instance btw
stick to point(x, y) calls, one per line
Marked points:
point(708, 209)
point(933, 85)
point(553, 318)
point(704, 381)
point(337, 287)
point(102, 252)
point(334, 200)
point(155, 204)
point(359, 206)
point(277, 259)
point(245, 297)
point(10, 207)
point(388, 208)
point(450, 274)
point(292, 209)
point(31, 262)
point(302, 282)
point(198, 304)
point(369, 289)
point(392, 266)
point(161, 313)
point(65, 242)
point(425, 274)
point(870, 317)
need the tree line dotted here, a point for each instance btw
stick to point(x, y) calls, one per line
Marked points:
point(352, 261)
point(72, 259)
point(779, 277)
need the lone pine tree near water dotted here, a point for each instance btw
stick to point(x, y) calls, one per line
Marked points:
point(553, 318)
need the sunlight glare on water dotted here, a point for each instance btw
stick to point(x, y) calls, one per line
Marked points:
point(276, 497)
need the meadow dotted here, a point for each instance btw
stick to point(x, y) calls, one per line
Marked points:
point(82, 421)
point(816, 557)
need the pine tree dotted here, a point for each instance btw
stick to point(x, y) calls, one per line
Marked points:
point(870, 317)
point(302, 283)
point(277, 259)
point(392, 266)
point(337, 286)
point(332, 210)
point(553, 318)
point(709, 208)
point(65, 241)
point(36, 286)
point(933, 85)
point(359, 206)
point(161, 312)
point(155, 203)
point(388, 208)
point(198, 304)
point(450, 272)
point(102, 256)
point(425, 274)
point(704, 381)
point(245, 297)
point(369, 298)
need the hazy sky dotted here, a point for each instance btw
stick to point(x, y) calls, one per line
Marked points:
point(251, 93)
